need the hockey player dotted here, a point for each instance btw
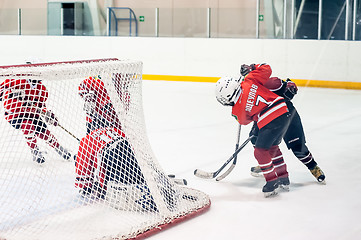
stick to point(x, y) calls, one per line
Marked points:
point(105, 161)
point(25, 109)
point(251, 101)
point(294, 137)
point(97, 105)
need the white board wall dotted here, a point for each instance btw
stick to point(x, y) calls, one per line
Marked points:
point(299, 59)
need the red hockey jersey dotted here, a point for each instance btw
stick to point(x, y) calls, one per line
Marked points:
point(23, 96)
point(256, 102)
point(89, 160)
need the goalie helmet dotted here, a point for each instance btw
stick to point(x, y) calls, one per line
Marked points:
point(226, 90)
point(93, 92)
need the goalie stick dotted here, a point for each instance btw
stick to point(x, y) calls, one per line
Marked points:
point(234, 160)
point(208, 175)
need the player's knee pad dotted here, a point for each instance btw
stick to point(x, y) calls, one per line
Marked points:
point(263, 156)
point(275, 152)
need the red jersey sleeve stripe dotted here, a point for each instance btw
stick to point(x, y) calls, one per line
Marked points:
point(270, 111)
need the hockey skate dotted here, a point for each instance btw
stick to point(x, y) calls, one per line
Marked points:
point(318, 174)
point(271, 188)
point(64, 153)
point(37, 155)
point(256, 171)
point(284, 183)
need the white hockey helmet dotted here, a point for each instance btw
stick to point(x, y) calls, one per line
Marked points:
point(226, 90)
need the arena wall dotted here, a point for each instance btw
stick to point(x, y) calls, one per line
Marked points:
point(311, 62)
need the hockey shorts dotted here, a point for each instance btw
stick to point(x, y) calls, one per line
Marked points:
point(271, 134)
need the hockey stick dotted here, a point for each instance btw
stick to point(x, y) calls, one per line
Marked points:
point(68, 132)
point(208, 175)
point(58, 124)
point(234, 160)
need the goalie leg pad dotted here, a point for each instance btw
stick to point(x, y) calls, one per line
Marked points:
point(120, 163)
point(130, 197)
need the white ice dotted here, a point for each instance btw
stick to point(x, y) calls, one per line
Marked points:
point(189, 129)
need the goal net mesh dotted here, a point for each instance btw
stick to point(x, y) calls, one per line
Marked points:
point(75, 160)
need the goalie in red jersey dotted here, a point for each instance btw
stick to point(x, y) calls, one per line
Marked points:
point(105, 160)
point(252, 101)
point(25, 109)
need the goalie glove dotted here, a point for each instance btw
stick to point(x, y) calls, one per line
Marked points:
point(245, 69)
point(50, 118)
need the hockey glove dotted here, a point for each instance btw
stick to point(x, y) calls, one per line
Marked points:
point(245, 69)
point(254, 132)
point(290, 90)
point(50, 118)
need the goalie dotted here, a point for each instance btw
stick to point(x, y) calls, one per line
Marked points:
point(25, 109)
point(105, 164)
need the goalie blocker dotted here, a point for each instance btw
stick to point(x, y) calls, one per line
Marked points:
point(107, 168)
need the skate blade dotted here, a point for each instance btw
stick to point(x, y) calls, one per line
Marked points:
point(322, 182)
point(285, 188)
point(271, 194)
point(255, 174)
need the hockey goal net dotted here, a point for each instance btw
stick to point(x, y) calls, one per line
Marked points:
point(75, 161)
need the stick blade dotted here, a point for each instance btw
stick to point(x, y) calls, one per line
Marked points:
point(219, 178)
point(180, 181)
point(203, 174)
